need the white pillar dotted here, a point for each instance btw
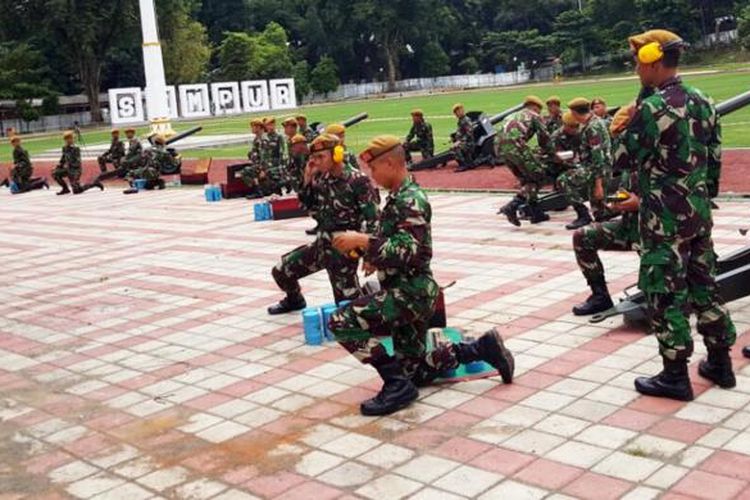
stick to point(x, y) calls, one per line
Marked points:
point(153, 67)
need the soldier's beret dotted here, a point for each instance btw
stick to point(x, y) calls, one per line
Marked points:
point(662, 37)
point(68, 134)
point(130, 130)
point(417, 112)
point(569, 120)
point(298, 138)
point(324, 142)
point(621, 119)
point(580, 105)
point(289, 121)
point(269, 120)
point(457, 106)
point(335, 129)
point(256, 122)
point(553, 99)
point(160, 139)
point(532, 99)
point(379, 146)
point(597, 100)
point(301, 117)
point(115, 131)
point(15, 139)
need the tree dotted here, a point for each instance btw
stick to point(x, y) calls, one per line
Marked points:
point(434, 60)
point(184, 42)
point(221, 16)
point(273, 58)
point(509, 48)
point(743, 27)
point(236, 55)
point(23, 72)
point(324, 77)
point(576, 32)
point(301, 75)
point(674, 15)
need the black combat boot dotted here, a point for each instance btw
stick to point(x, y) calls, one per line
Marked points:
point(510, 210)
point(76, 187)
point(536, 214)
point(288, 304)
point(673, 382)
point(598, 301)
point(96, 183)
point(65, 188)
point(746, 351)
point(255, 195)
point(490, 349)
point(397, 393)
point(717, 368)
point(584, 217)
point(160, 184)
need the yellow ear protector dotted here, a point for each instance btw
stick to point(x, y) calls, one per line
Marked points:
point(338, 154)
point(654, 51)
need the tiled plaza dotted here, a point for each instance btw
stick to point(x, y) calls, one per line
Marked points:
point(137, 361)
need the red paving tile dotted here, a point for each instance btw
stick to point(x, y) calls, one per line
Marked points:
point(269, 486)
point(632, 419)
point(597, 487)
point(727, 463)
point(503, 461)
point(548, 474)
point(701, 484)
point(461, 449)
point(680, 430)
point(312, 489)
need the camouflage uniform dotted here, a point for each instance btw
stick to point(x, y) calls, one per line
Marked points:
point(22, 170)
point(70, 167)
point(516, 132)
point(339, 203)
point(113, 155)
point(464, 135)
point(424, 142)
point(134, 157)
point(562, 141)
point(595, 161)
point(308, 132)
point(155, 160)
point(553, 123)
point(401, 249)
point(271, 158)
point(674, 140)
point(253, 174)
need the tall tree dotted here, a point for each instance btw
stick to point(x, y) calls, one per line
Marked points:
point(184, 42)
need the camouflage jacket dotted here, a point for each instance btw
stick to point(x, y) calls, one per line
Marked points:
point(401, 248)
point(271, 150)
point(159, 158)
point(464, 131)
point(71, 157)
point(552, 123)
point(521, 126)
point(296, 170)
point(607, 119)
point(674, 143)
point(254, 154)
point(21, 160)
point(350, 159)
point(423, 133)
point(135, 150)
point(116, 149)
point(562, 141)
point(595, 152)
point(344, 202)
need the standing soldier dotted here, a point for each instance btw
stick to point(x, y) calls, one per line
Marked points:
point(463, 139)
point(674, 142)
point(401, 251)
point(594, 163)
point(114, 154)
point(616, 235)
point(304, 129)
point(134, 157)
point(419, 137)
point(514, 142)
point(337, 129)
point(554, 119)
point(299, 152)
point(341, 199)
point(22, 171)
point(271, 155)
point(70, 167)
point(599, 107)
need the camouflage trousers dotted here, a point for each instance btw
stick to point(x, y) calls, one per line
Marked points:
point(313, 257)
point(464, 154)
point(255, 176)
point(526, 167)
point(677, 278)
point(577, 184)
point(107, 158)
point(21, 176)
point(148, 172)
point(360, 326)
point(424, 148)
point(615, 235)
point(73, 174)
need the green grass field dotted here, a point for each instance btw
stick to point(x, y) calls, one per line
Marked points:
point(391, 115)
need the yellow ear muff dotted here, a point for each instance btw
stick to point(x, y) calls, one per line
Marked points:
point(338, 154)
point(650, 53)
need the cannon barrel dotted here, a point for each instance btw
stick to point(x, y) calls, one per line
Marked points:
point(182, 135)
point(320, 127)
point(733, 104)
point(494, 120)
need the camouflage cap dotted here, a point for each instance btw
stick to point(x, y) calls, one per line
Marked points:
point(598, 100)
point(457, 106)
point(115, 131)
point(298, 138)
point(324, 142)
point(130, 130)
point(335, 129)
point(533, 100)
point(15, 139)
point(301, 117)
point(621, 119)
point(256, 122)
point(68, 134)
point(379, 146)
point(569, 120)
point(160, 139)
point(417, 112)
point(553, 99)
point(290, 120)
point(267, 120)
point(580, 105)
point(662, 37)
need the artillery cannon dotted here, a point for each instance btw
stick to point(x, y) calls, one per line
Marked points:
point(319, 127)
point(172, 151)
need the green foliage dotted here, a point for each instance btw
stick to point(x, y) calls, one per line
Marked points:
point(263, 55)
point(236, 55)
point(434, 60)
point(743, 27)
point(324, 77)
point(27, 111)
point(674, 15)
point(185, 46)
point(510, 48)
point(23, 73)
point(301, 75)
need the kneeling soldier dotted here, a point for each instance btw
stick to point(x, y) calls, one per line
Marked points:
point(114, 154)
point(419, 137)
point(22, 171)
point(400, 251)
point(340, 199)
point(70, 167)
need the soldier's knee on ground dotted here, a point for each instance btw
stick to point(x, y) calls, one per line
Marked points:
point(579, 238)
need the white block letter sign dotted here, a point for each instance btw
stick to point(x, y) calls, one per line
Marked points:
point(174, 112)
point(126, 105)
point(255, 96)
point(194, 100)
point(226, 98)
point(282, 94)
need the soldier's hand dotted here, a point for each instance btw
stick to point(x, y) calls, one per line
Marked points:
point(598, 189)
point(350, 240)
point(368, 268)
